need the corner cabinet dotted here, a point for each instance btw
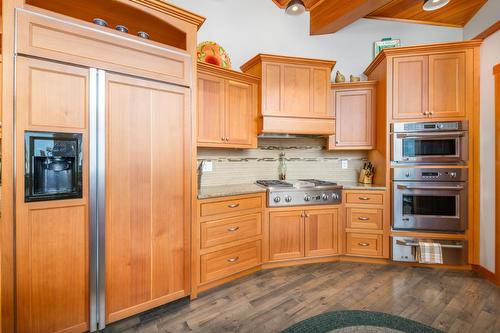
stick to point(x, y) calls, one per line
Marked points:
point(354, 109)
point(227, 108)
point(294, 94)
point(430, 86)
point(295, 234)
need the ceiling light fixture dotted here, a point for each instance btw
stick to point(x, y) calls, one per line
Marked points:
point(430, 5)
point(295, 7)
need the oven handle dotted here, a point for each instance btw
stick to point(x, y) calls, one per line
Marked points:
point(399, 242)
point(436, 134)
point(440, 188)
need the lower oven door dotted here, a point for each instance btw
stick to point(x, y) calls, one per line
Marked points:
point(455, 252)
point(430, 206)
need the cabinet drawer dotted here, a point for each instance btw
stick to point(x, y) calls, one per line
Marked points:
point(220, 264)
point(364, 218)
point(230, 206)
point(365, 198)
point(364, 244)
point(232, 229)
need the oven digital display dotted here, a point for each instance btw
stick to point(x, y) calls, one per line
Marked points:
point(429, 126)
point(430, 174)
point(430, 205)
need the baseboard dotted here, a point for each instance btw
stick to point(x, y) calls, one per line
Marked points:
point(485, 273)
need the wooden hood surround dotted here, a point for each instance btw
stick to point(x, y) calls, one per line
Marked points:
point(295, 94)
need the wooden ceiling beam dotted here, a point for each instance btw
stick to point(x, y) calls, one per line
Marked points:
point(332, 15)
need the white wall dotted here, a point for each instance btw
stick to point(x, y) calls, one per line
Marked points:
point(247, 27)
point(484, 18)
point(490, 56)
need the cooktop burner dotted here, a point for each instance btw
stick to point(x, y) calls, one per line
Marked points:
point(318, 182)
point(274, 183)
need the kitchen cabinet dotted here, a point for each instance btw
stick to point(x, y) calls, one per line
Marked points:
point(354, 111)
point(286, 235)
point(321, 232)
point(367, 223)
point(227, 239)
point(294, 94)
point(295, 234)
point(227, 108)
point(429, 86)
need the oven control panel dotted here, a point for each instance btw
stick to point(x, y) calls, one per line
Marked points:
point(430, 174)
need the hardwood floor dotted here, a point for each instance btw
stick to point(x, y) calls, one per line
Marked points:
point(271, 300)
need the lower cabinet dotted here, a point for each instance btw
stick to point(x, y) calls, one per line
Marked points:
point(297, 234)
point(227, 239)
point(366, 223)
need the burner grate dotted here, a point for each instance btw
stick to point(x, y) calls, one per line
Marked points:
point(317, 182)
point(273, 183)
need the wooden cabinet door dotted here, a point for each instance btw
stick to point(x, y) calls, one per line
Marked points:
point(320, 91)
point(272, 83)
point(286, 235)
point(354, 119)
point(321, 232)
point(410, 87)
point(447, 85)
point(297, 90)
point(211, 102)
point(52, 237)
point(148, 167)
point(240, 122)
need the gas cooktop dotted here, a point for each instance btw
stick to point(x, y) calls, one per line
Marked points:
point(301, 192)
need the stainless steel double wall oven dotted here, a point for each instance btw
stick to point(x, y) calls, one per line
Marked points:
point(429, 184)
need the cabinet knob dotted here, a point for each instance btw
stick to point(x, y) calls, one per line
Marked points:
point(364, 198)
point(364, 244)
point(235, 259)
point(233, 229)
point(431, 113)
point(336, 142)
point(233, 205)
point(363, 218)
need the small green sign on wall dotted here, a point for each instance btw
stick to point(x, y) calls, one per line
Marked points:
point(386, 43)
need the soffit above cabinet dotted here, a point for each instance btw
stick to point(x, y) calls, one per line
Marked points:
point(329, 16)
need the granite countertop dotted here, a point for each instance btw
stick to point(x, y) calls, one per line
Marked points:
point(359, 186)
point(207, 192)
point(228, 190)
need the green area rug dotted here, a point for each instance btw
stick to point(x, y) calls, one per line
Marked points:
point(359, 321)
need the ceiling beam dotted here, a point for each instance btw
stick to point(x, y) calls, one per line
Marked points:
point(332, 15)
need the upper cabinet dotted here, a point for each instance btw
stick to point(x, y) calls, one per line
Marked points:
point(354, 111)
point(429, 86)
point(227, 108)
point(295, 94)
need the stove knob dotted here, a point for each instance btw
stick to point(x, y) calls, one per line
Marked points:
point(453, 174)
point(307, 197)
point(407, 174)
point(324, 196)
point(288, 198)
point(335, 196)
point(277, 199)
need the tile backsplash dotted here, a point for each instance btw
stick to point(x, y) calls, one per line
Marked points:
point(305, 158)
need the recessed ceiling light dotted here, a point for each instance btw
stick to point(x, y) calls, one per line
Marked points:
point(430, 5)
point(295, 7)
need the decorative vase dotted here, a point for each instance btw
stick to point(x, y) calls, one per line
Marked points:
point(355, 78)
point(339, 77)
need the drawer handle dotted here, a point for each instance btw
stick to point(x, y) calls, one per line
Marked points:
point(363, 198)
point(233, 205)
point(364, 244)
point(235, 259)
point(361, 218)
point(233, 229)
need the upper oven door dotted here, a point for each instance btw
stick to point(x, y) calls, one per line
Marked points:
point(430, 147)
point(430, 206)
